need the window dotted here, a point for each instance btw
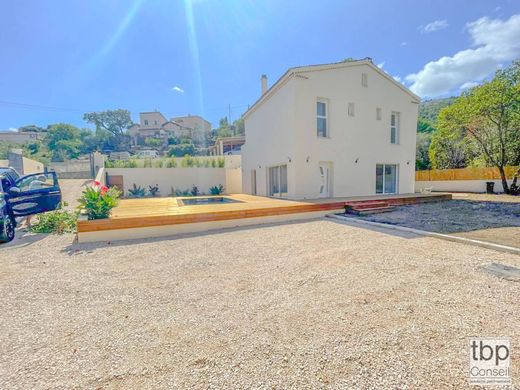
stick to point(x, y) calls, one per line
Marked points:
point(350, 109)
point(36, 182)
point(278, 181)
point(321, 119)
point(146, 122)
point(364, 80)
point(378, 114)
point(386, 179)
point(394, 127)
point(155, 122)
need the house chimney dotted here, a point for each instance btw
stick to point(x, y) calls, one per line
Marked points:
point(263, 80)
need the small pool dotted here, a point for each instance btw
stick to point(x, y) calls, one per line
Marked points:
point(208, 200)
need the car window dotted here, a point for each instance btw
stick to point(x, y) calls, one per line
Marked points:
point(4, 184)
point(35, 182)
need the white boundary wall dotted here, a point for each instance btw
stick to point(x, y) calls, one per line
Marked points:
point(459, 185)
point(180, 178)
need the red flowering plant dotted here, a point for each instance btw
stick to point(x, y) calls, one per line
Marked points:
point(98, 200)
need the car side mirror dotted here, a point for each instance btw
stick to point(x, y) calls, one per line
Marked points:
point(14, 191)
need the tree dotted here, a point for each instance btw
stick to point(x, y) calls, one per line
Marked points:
point(182, 150)
point(239, 126)
point(425, 126)
point(153, 142)
point(32, 128)
point(64, 141)
point(116, 122)
point(489, 115)
point(422, 158)
point(447, 150)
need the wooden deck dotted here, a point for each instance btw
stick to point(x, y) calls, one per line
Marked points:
point(151, 212)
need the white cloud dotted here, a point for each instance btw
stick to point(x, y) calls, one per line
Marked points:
point(468, 85)
point(434, 26)
point(404, 43)
point(381, 65)
point(397, 78)
point(178, 89)
point(494, 41)
point(12, 129)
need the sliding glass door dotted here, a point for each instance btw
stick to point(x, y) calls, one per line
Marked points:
point(278, 181)
point(386, 179)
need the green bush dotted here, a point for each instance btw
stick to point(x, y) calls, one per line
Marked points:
point(98, 201)
point(216, 190)
point(158, 163)
point(221, 162)
point(153, 189)
point(171, 163)
point(56, 222)
point(137, 191)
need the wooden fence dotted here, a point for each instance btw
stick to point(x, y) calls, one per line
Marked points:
point(485, 173)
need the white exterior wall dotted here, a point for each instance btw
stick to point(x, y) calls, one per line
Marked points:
point(270, 133)
point(285, 126)
point(179, 178)
point(459, 185)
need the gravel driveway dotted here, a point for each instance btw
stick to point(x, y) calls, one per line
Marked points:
point(308, 305)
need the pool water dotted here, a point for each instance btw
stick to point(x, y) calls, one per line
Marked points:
point(209, 200)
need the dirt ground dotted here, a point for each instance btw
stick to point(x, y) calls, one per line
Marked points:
point(71, 190)
point(491, 218)
point(307, 305)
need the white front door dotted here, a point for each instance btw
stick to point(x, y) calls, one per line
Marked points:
point(325, 180)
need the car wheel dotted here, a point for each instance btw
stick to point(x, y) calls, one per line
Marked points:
point(8, 233)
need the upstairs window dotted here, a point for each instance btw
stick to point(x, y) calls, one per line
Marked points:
point(350, 109)
point(394, 127)
point(321, 119)
point(378, 114)
point(146, 122)
point(364, 80)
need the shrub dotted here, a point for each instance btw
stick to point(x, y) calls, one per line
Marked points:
point(216, 190)
point(153, 190)
point(181, 149)
point(137, 191)
point(187, 161)
point(147, 163)
point(213, 163)
point(158, 163)
point(194, 190)
point(99, 200)
point(221, 162)
point(56, 222)
point(171, 163)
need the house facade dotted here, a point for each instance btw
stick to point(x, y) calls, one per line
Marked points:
point(155, 125)
point(334, 130)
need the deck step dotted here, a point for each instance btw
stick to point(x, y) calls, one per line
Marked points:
point(370, 210)
point(368, 205)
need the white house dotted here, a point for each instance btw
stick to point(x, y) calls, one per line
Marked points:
point(333, 130)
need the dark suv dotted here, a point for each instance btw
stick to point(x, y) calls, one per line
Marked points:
point(25, 195)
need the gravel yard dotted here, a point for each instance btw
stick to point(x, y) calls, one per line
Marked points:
point(309, 305)
point(497, 222)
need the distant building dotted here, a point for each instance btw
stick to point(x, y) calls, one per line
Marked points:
point(154, 124)
point(227, 145)
point(194, 122)
point(19, 137)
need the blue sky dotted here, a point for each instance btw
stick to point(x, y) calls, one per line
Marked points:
point(63, 58)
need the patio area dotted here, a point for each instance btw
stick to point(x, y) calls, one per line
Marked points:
point(156, 217)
